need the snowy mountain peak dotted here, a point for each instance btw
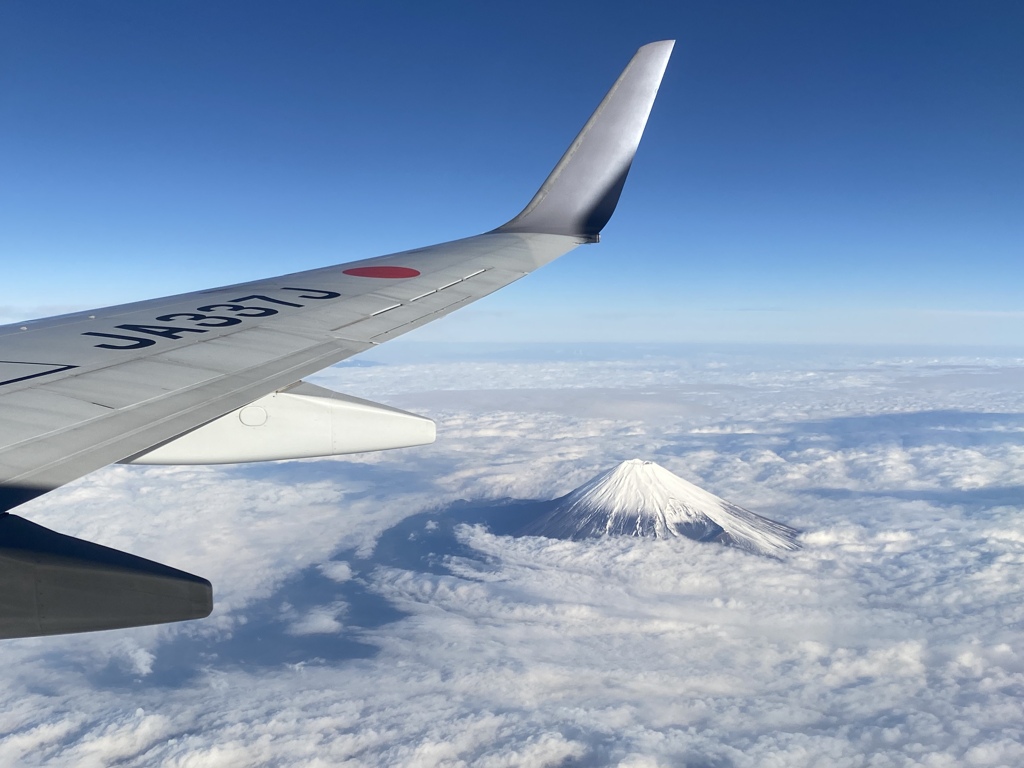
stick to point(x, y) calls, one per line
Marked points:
point(641, 498)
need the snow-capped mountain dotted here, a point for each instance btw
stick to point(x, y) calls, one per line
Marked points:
point(641, 498)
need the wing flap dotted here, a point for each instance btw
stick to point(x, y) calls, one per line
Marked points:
point(130, 383)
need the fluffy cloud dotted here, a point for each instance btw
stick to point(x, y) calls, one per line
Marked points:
point(365, 615)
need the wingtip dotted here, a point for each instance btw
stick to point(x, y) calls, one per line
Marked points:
point(580, 194)
point(658, 47)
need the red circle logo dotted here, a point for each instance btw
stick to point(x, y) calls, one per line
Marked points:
point(391, 273)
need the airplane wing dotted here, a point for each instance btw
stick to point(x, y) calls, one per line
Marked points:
point(216, 376)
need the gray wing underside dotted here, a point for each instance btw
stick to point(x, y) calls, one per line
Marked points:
point(77, 393)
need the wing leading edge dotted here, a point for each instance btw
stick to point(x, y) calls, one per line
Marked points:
point(80, 391)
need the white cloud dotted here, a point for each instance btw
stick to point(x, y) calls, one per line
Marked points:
point(321, 620)
point(335, 570)
point(892, 638)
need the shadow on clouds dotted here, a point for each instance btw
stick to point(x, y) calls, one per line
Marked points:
point(957, 429)
point(374, 476)
point(941, 427)
point(980, 498)
point(272, 634)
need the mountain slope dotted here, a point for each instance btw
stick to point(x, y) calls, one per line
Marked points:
point(641, 498)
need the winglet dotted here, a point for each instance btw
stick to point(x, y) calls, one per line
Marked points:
point(580, 195)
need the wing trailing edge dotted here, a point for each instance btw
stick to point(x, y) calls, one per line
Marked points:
point(580, 195)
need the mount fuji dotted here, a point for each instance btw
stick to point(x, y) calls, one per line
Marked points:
point(641, 498)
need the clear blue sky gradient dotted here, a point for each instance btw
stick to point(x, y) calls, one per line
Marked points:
point(812, 171)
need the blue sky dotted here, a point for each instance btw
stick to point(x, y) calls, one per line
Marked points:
point(812, 172)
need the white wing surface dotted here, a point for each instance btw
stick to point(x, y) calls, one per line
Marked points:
point(194, 378)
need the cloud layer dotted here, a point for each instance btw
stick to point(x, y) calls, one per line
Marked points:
point(366, 616)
